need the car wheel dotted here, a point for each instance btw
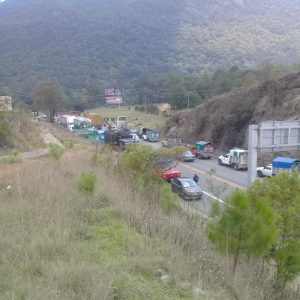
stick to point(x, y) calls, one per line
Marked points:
point(235, 167)
point(183, 197)
point(220, 162)
point(259, 173)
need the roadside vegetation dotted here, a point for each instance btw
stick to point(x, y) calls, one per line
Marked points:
point(262, 224)
point(102, 225)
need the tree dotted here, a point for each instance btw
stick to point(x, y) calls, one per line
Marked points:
point(49, 96)
point(263, 222)
point(5, 132)
point(283, 194)
point(243, 226)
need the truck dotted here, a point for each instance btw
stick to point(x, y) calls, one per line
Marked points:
point(280, 164)
point(152, 135)
point(121, 122)
point(172, 140)
point(75, 113)
point(96, 119)
point(236, 159)
point(67, 121)
point(82, 123)
point(118, 137)
point(266, 170)
point(203, 150)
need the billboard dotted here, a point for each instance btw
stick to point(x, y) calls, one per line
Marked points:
point(113, 96)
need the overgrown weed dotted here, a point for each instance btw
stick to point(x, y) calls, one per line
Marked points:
point(115, 243)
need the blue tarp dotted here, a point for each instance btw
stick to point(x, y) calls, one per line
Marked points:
point(284, 162)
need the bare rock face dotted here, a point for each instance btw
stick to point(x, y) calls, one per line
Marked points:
point(224, 120)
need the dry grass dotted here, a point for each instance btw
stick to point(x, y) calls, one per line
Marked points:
point(136, 119)
point(58, 243)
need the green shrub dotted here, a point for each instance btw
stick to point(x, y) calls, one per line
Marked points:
point(86, 183)
point(9, 159)
point(55, 151)
point(5, 132)
point(168, 200)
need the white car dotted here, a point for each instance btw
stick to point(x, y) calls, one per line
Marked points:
point(265, 171)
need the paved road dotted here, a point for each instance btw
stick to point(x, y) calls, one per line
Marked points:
point(238, 177)
point(216, 181)
point(215, 190)
point(228, 175)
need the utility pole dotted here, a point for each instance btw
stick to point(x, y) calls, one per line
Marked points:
point(188, 98)
point(252, 152)
point(145, 96)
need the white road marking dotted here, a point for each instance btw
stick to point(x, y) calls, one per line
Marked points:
point(214, 197)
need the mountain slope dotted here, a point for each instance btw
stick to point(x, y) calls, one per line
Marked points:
point(224, 120)
point(112, 42)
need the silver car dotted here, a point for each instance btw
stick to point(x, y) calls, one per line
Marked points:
point(186, 188)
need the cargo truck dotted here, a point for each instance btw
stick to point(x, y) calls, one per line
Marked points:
point(280, 164)
point(236, 159)
point(96, 119)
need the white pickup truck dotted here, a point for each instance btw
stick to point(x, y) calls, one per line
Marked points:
point(236, 158)
point(265, 171)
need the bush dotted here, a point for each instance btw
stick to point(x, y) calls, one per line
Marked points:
point(56, 151)
point(5, 133)
point(9, 159)
point(169, 201)
point(87, 183)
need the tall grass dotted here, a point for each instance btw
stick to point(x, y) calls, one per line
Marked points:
point(115, 243)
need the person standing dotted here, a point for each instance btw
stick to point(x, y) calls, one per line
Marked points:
point(196, 178)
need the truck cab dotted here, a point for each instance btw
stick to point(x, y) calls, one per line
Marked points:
point(224, 159)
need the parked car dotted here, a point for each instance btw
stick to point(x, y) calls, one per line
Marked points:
point(188, 156)
point(186, 188)
point(264, 171)
point(169, 174)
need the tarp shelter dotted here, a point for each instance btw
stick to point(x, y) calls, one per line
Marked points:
point(285, 162)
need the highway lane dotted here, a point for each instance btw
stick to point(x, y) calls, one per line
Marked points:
point(238, 177)
point(212, 187)
point(216, 185)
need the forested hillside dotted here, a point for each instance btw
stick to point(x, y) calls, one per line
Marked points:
point(111, 42)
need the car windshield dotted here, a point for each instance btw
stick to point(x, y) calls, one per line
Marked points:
point(188, 183)
point(188, 153)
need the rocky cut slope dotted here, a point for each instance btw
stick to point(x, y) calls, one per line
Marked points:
point(224, 120)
